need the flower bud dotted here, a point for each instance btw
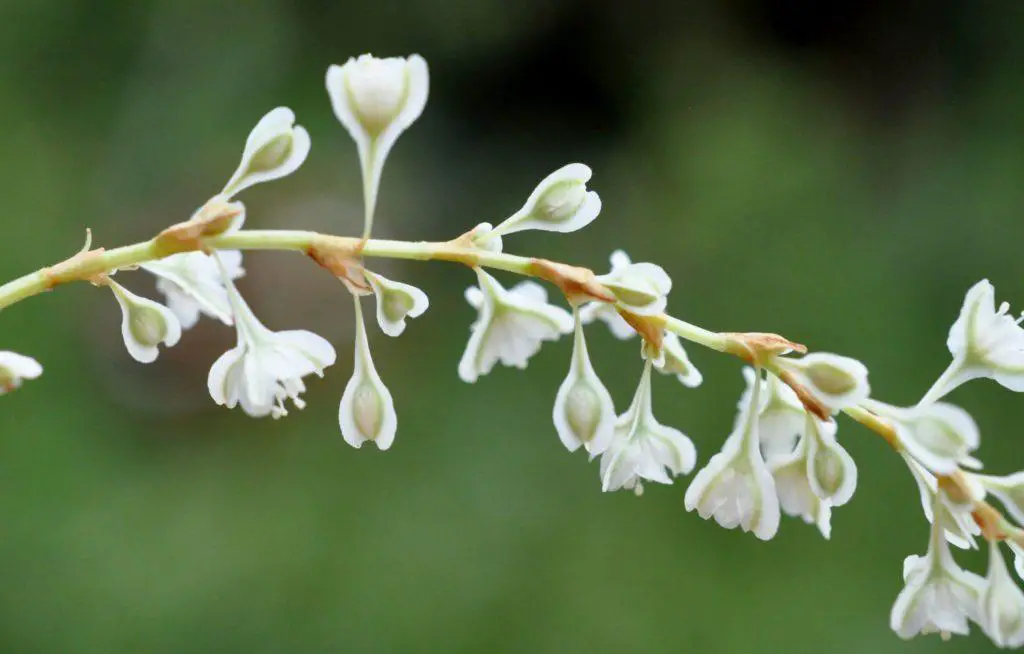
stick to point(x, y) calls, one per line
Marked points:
point(1009, 490)
point(985, 341)
point(639, 288)
point(1002, 603)
point(560, 203)
point(14, 368)
point(276, 147)
point(367, 411)
point(483, 237)
point(941, 436)
point(584, 412)
point(836, 382)
point(395, 302)
point(831, 470)
point(145, 324)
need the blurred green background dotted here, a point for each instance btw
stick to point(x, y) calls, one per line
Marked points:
point(839, 172)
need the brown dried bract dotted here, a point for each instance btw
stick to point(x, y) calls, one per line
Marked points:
point(756, 347)
point(650, 328)
point(344, 262)
point(806, 398)
point(76, 266)
point(214, 218)
point(578, 284)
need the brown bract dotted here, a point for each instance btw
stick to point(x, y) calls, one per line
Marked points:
point(578, 284)
point(213, 219)
point(757, 347)
point(650, 328)
point(344, 262)
point(76, 266)
point(806, 398)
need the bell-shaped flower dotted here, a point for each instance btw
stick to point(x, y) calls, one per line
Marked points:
point(367, 411)
point(831, 470)
point(673, 360)
point(584, 412)
point(939, 596)
point(144, 324)
point(606, 311)
point(396, 301)
point(782, 421)
point(643, 448)
point(939, 435)
point(793, 486)
point(736, 487)
point(510, 326)
point(956, 520)
point(639, 288)
point(836, 382)
point(560, 203)
point(1002, 603)
point(14, 368)
point(266, 367)
point(192, 284)
point(376, 100)
point(276, 147)
point(1009, 490)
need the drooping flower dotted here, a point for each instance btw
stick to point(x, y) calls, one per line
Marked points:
point(560, 203)
point(192, 284)
point(939, 435)
point(15, 368)
point(1002, 603)
point(510, 326)
point(735, 487)
point(956, 520)
point(782, 421)
point(266, 367)
point(367, 411)
point(939, 596)
point(673, 360)
point(396, 301)
point(606, 311)
point(643, 448)
point(376, 100)
point(276, 147)
point(836, 382)
point(793, 486)
point(144, 324)
point(584, 413)
point(831, 470)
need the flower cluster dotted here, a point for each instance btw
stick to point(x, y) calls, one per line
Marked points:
point(782, 456)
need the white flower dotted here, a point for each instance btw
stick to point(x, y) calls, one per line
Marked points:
point(939, 596)
point(376, 100)
point(1018, 557)
point(276, 147)
point(984, 342)
point(836, 382)
point(511, 325)
point(1009, 490)
point(782, 420)
point(144, 324)
point(606, 311)
point(395, 302)
point(792, 484)
point(1002, 604)
point(14, 368)
point(584, 413)
point(643, 448)
point(560, 203)
point(736, 487)
point(640, 288)
point(956, 520)
point(367, 411)
point(939, 435)
point(192, 283)
point(831, 470)
point(673, 360)
point(266, 368)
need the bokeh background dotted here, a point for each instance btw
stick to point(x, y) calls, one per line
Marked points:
point(838, 172)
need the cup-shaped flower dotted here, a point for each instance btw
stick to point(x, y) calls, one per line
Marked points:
point(584, 412)
point(367, 411)
point(640, 288)
point(144, 324)
point(782, 421)
point(560, 203)
point(939, 596)
point(941, 436)
point(673, 360)
point(376, 100)
point(276, 147)
point(956, 520)
point(1002, 603)
point(643, 448)
point(396, 301)
point(266, 367)
point(510, 326)
point(736, 487)
point(836, 382)
point(793, 486)
point(831, 470)
point(606, 311)
point(1009, 490)
point(15, 368)
point(192, 284)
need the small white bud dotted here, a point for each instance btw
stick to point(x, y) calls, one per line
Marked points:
point(673, 360)
point(584, 413)
point(14, 368)
point(144, 324)
point(276, 147)
point(1002, 603)
point(560, 203)
point(985, 341)
point(1009, 490)
point(831, 470)
point(640, 288)
point(836, 382)
point(483, 237)
point(367, 411)
point(395, 302)
point(941, 436)
point(606, 311)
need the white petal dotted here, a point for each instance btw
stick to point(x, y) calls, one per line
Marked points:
point(584, 413)
point(395, 302)
point(276, 129)
point(367, 410)
point(142, 317)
